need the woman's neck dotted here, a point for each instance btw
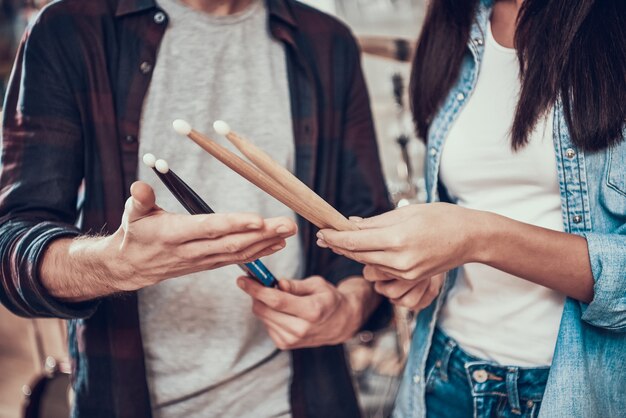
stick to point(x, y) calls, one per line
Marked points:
point(503, 21)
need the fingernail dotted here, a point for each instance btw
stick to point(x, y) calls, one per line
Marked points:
point(320, 235)
point(241, 283)
point(322, 243)
point(355, 218)
point(254, 226)
point(282, 229)
point(277, 247)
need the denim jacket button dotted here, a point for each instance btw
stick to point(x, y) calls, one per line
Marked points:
point(577, 219)
point(416, 378)
point(480, 376)
point(460, 97)
point(570, 153)
point(432, 151)
point(478, 41)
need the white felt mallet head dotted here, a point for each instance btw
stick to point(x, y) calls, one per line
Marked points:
point(149, 160)
point(221, 127)
point(182, 127)
point(162, 166)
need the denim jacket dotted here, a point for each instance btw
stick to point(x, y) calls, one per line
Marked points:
point(588, 372)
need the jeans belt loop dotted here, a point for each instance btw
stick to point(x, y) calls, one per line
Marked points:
point(445, 359)
point(511, 387)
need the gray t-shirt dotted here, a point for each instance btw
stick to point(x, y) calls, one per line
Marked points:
point(207, 355)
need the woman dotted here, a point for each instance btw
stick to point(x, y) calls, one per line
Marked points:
point(523, 107)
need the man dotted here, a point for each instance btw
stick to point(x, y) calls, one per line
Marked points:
point(95, 86)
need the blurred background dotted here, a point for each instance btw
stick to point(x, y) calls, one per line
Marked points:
point(33, 366)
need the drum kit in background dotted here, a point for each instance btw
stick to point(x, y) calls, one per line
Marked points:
point(49, 394)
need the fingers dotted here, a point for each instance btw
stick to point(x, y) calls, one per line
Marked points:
point(184, 228)
point(303, 287)
point(374, 274)
point(386, 219)
point(381, 258)
point(400, 265)
point(396, 289)
point(237, 249)
point(275, 299)
point(357, 241)
point(292, 325)
point(422, 295)
point(308, 308)
point(141, 203)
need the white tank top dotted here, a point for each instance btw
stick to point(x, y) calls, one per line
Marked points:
point(494, 315)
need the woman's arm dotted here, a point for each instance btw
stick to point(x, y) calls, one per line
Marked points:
point(421, 241)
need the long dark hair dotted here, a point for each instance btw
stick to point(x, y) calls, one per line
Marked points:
point(569, 49)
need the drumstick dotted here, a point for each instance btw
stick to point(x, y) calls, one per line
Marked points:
point(195, 205)
point(252, 174)
point(284, 177)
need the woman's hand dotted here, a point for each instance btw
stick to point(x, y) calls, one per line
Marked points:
point(415, 242)
point(421, 241)
point(414, 295)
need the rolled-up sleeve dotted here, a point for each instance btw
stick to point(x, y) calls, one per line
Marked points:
point(41, 168)
point(607, 253)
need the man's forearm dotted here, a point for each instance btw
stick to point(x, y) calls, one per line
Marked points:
point(76, 270)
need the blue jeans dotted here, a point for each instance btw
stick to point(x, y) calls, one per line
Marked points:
point(461, 386)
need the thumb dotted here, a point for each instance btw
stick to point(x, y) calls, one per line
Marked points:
point(141, 203)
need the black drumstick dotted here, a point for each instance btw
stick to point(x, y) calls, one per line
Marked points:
point(195, 206)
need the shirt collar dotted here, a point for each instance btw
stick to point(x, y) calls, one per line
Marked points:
point(126, 7)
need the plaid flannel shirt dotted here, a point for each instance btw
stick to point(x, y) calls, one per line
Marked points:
point(72, 117)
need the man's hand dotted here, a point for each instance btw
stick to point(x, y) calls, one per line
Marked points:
point(311, 312)
point(414, 295)
point(152, 245)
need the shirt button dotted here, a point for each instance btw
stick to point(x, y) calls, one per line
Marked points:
point(159, 17)
point(145, 67)
point(460, 97)
point(416, 378)
point(570, 153)
point(480, 376)
point(577, 219)
point(478, 41)
point(130, 139)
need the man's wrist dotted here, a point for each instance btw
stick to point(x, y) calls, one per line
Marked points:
point(80, 269)
point(360, 297)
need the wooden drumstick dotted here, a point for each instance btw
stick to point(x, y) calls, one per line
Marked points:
point(250, 173)
point(285, 178)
